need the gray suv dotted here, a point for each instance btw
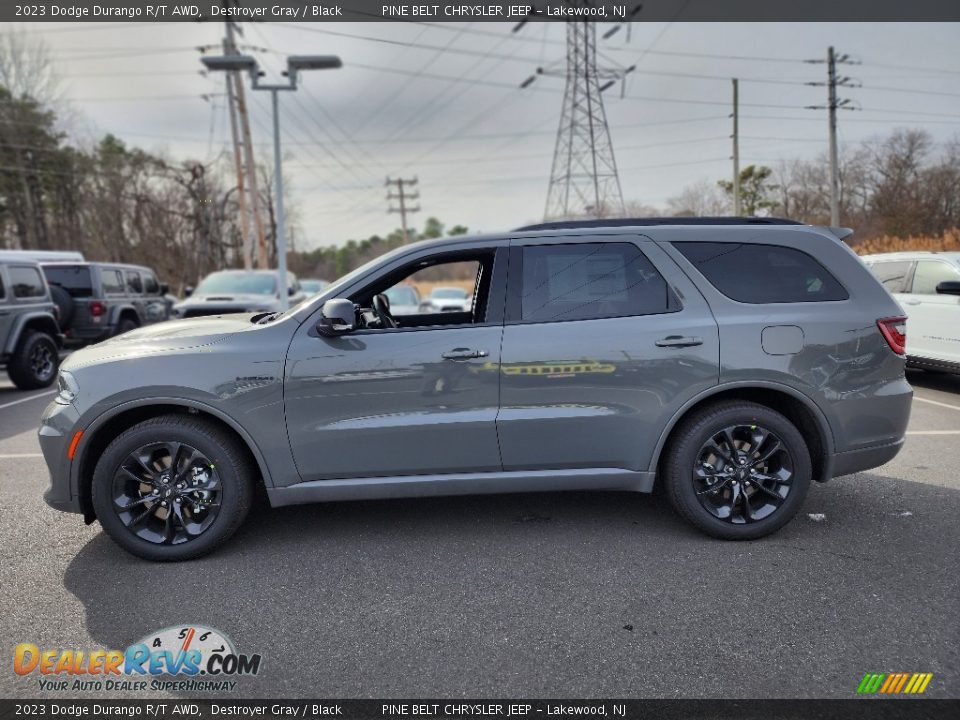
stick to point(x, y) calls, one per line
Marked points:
point(29, 336)
point(729, 362)
point(100, 300)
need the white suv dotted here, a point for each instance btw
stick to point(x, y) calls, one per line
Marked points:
point(927, 286)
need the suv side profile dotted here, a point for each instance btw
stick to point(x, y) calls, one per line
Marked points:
point(29, 336)
point(927, 286)
point(729, 361)
point(100, 300)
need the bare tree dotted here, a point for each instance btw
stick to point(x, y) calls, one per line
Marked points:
point(701, 199)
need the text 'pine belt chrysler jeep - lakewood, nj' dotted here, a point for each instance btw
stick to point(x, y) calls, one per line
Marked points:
point(728, 360)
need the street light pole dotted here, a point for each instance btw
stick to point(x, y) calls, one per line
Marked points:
point(295, 63)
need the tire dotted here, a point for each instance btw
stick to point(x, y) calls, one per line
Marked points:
point(64, 302)
point(125, 325)
point(35, 362)
point(224, 459)
point(702, 486)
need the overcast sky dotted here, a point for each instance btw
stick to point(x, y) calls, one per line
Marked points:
point(442, 102)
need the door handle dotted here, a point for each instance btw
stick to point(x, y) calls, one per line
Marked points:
point(464, 354)
point(678, 341)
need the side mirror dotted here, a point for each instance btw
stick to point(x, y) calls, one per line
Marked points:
point(188, 291)
point(291, 290)
point(165, 288)
point(948, 287)
point(337, 317)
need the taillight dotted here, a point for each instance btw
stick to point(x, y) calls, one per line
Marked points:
point(894, 330)
point(97, 308)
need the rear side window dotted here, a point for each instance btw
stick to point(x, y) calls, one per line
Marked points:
point(893, 275)
point(588, 281)
point(759, 273)
point(930, 273)
point(134, 285)
point(26, 282)
point(112, 282)
point(75, 279)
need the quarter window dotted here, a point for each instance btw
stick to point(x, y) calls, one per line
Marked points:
point(112, 282)
point(590, 280)
point(893, 275)
point(930, 273)
point(26, 282)
point(760, 273)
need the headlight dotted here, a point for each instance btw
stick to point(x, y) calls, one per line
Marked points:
point(67, 387)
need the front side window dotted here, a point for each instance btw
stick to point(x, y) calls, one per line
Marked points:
point(26, 282)
point(150, 284)
point(134, 286)
point(759, 273)
point(588, 281)
point(930, 273)
point(893, 275)
point(112, 282)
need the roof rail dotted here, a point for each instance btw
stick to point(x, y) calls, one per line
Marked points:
point(627, 222)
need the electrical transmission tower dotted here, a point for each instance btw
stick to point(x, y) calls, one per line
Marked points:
point(833, 104)
point(583, 179)
point(403, 196)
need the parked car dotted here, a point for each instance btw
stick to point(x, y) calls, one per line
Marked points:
point(312, 287)
point(927, 286)
point(29, 336)
point(731, 361)
point(101, 300)
point(448, 299)
point(237, 291)
point(404, 300)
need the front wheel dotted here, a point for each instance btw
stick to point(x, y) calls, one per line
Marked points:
point(172, 488)
point(737, 470)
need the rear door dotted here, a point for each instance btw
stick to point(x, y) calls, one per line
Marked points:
point(604, 340)
point(933, 320)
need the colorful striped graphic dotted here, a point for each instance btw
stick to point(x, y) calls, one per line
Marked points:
point(894, 683)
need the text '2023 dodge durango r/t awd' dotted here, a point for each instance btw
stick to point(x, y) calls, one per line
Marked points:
point(731, 361)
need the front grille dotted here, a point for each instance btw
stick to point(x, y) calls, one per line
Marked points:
point(200, 312)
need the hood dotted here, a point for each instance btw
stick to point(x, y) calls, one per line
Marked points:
point(163, 337)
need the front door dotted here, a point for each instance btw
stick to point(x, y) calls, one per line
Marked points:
point(599, 352)
point(416, 399)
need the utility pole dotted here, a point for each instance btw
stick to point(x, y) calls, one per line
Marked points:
point(403, 196)
point(833, 104)
point(238, 163)
point(583, 178)
point(262, 258)
point(736, 148)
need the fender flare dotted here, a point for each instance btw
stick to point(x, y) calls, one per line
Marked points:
point(93, 427)
point(13, 338)
point(826, 431)
point(114, 317)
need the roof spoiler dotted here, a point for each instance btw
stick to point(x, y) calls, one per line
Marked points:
point(841, 233)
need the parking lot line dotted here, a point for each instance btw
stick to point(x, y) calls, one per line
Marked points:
point(23, 400)
point(933, 432)
point(15, 456)
point(936, 402)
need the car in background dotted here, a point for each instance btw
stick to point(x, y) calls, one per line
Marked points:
point(927, 286)
point(312, 286)
point(448, 299)
point(404, 299)
point(237, 291)
point(30, 338)
point(101, 300)
point(42, 256)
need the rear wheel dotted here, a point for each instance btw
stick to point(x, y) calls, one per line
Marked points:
point(125, 325)
point(737, 470)
point(172, 488)
point(35, 362)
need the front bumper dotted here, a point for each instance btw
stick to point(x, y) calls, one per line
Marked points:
point(57, 426)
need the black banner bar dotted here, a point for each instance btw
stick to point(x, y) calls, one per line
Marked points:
point(514, 11)
point(854, 709)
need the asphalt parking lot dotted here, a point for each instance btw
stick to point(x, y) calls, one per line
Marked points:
point(561, 595)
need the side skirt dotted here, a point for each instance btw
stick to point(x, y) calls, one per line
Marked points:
point(461, 484)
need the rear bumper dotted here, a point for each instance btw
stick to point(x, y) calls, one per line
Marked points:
point(854, 461)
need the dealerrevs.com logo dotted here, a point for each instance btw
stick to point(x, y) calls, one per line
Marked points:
point(206, 657)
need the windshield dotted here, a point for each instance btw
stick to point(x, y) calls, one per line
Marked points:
point(237, 283)
point(313, 286)
point(449, 293)
point(403, 295)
